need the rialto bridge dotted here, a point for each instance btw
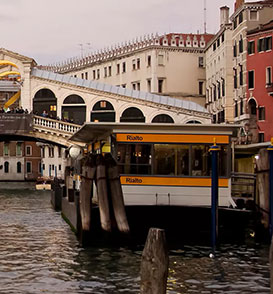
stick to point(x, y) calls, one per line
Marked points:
point(75, 101)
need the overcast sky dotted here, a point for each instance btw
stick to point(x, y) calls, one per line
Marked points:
point(52, 30)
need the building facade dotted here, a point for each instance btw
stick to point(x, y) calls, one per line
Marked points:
point(19, 161)
point(171, 65)
point(259, 82)
point(246, 16)
point(219, 77)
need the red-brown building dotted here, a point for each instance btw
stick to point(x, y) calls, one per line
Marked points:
point(260, 82)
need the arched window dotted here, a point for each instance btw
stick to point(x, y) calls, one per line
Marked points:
point(19, 167)
point(74, 113)
point(6, 167)
point(252, 107)
point(103, 111)
point(46, 100)
point(73, 99)
point(193, 122)
point(132, 114)
point(162, 118)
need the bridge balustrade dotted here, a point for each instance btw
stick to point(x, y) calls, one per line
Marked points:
point(54, 125)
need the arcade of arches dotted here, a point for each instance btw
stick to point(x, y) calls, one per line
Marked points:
point(74, 110)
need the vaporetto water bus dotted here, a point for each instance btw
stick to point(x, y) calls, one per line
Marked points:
point(166, 164)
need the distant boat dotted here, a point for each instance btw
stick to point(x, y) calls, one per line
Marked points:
point(43, 183)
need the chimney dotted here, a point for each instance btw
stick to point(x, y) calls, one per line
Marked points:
point(238, 4)
point(224, 15)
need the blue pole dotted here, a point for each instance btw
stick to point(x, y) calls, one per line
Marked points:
point(214, 194)
point(270, 151)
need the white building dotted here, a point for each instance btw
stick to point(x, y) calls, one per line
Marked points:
point(219, 72)
point(171, 65)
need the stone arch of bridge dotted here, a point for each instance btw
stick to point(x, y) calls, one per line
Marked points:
point(45, 100)
point(74, 109)
point(103, 111)
point(132, 114)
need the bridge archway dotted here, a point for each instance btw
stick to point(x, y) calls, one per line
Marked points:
point(74, 110)
point(193, 122)
point(162, 118)
point(46, 100)
point(103, 111)
point(132, 114)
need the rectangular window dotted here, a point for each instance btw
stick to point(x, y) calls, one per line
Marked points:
point(236, 109)
point(29, 167)
point(138, 63)
point(134, 158)
point(201, 84)
point(60, 167)
point(98, 74)
point(149, 85)
point(149, 60)
point(123, 67)
point(234, 50)
point(134, 86)
point(218, 90)
point(171, 159)
point(201, 61)
point(133, 64)
point(86, 75)
point(251, 79)
point(261, 137)
point(269, 76)
point(251, 47)
point(160, 59)
point(109, 70)
point(235, 78)
point(223, 88)
point(94, 74)
point(253, 15)
point(59, 152)
point(138, 86)
point(160, 86)
point(6, 149)
point(200, 160)
point(223, 37)
point(19, 149)
point(241, 78)
point(28, 150)
point(214, 46)
point(214, 92)
point(118, 69)
point(82, 75)
point(241, 46)
point(218, 42)
point(241, 107)
point(261, 112)
point(240, 17)
point(105, 72)
point(261, 45)
point(268, 43)
point(43, 152)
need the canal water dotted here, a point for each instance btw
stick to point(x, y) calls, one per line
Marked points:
point(40, 254)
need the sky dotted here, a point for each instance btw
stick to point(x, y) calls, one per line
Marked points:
point(54, 30)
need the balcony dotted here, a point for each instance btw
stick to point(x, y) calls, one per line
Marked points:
point(269, 89)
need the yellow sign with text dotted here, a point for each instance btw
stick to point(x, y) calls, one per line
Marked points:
point(172, 138)
point(170, 181)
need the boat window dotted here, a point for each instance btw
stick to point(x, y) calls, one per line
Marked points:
point(200, 160)
point(134, 158)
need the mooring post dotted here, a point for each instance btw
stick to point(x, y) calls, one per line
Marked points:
point(154, 263)
point(214, 194)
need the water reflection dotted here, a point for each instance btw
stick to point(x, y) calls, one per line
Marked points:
point(40, 254)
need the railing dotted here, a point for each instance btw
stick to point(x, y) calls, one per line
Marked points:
point(243, 186)
point(44, 123)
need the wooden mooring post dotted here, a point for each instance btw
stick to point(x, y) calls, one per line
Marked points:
point(154, 263)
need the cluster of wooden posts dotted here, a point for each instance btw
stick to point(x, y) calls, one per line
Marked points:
point(102, 171)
